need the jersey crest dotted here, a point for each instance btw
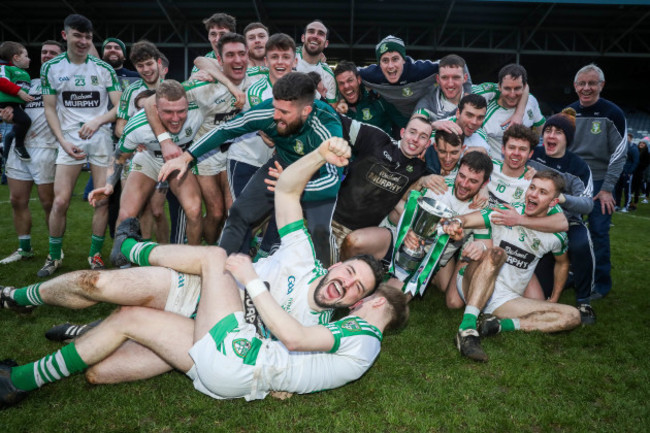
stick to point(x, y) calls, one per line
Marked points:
point(595, 127)
point(299, 147)
point(406, 91)
point(366, 114)
point(188, 131)
point(94, 80)
point(518, 193)
point(350, 325)
point(241, 346)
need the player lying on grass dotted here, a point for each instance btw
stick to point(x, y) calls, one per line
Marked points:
point(298, 282)
point(218, 350)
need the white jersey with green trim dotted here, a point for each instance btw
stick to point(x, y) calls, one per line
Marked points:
point(81, 90)
point(290, 271)
point(215, 100)
point(477, 139)
point(256, 73)
point(250, 148)
point(138, 132)
point(506, 189)
point(39, 134)
point(496, 115)
point(127, 106)
point(325, 72)
point(457, 207)
point(524, 247)
point(356, 346)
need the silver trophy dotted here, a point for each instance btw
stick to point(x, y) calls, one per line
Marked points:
point(424, 224)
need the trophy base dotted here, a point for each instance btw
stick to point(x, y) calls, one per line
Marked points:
point(408, 262)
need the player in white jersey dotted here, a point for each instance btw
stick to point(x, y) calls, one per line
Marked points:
point(502, 104)
point(76, 89)
point(345, 285)
point(511, 177)
point(146, 59)
point(249, 152)
point(218, 104)
point(181, 122)
point(40, 171)
point(315, 40)
point(495, 282)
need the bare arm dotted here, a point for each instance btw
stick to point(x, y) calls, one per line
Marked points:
point(560, 275)
point(285, 328)
point(212, 67)
point(119, 127)
point(549, 224)
point(293, 179)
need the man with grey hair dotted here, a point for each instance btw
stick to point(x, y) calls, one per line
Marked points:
point(601, 141)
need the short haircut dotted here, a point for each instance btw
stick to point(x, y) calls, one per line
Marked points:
point(295, 86)
point(9, 49)
point(452, 60)
point(476, 101)
point(375, 266)
point(230, 38)
point(280, 42)
point(521, 132)
point(143, 95)
point(478, 162)
point(555, 177)
point(515, 71)
point(327, 30)
point(346, 66)
point(315, 77)
point(221, 20)
point(53, 42)
point(79, 23)
point(398, 304)
point(254, 26)
point(451, 138)
point(171, 90)
point(591, 67)
point(143, 50)
point(164, 60)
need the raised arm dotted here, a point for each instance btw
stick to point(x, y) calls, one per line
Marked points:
point(285, 328)
point(292, 182)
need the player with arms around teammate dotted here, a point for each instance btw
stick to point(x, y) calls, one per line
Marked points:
point(494, 282)
point(77, 88)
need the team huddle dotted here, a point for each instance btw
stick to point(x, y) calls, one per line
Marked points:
point(295, 190)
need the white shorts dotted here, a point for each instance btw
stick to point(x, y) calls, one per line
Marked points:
point(98, 149)
point(148, 164)
point(214, 164)
point(40, 169)
point(224, 359)
point(498, 298)
point(184, 290)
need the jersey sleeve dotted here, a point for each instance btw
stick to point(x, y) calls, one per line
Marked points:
point(255, 119)
point(46, 79)
point(538, 117)
point(487, 90)
point(561, 245)
point(6, 85)
point(129, 140)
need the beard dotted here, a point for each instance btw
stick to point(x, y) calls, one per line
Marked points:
point(115, 64)
point(322, 285)
point(290, 129)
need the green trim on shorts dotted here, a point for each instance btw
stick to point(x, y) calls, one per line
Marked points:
point(229, 324)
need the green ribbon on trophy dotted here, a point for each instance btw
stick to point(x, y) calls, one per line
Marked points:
point(421, 214)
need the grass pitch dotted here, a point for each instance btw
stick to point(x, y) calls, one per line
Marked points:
point(593, 379)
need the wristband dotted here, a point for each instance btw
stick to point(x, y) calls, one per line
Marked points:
point(458, 220)
point(255, 287)
point(164, 136)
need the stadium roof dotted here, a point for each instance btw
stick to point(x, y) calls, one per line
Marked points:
point(588, 28)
